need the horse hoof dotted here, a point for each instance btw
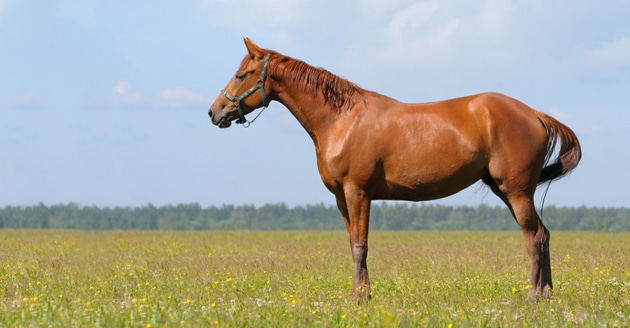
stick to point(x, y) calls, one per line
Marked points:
point(361, 298)
point(536, 295)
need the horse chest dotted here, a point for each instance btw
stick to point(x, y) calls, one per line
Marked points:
point(330, 171)
point(338, 166)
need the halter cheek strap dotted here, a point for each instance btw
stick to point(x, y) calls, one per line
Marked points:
point(260, 84)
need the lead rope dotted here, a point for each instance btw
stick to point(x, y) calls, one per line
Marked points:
point(247, 123)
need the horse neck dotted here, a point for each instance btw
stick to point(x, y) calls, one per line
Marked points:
point(309, 108)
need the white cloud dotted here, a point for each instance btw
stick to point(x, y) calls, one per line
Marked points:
point(431, 31)
point(123, 94)
point(256, 13)
point(494, 18)
point(3, 5)
point(615, 53)
point(560, 115)
point(415, 33)
point(80, 11)
point(121, 87)
point(29, 98)
point(179, 98)
point(575, 123)
point(408, 21)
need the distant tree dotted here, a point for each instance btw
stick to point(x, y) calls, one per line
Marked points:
point(384, 216)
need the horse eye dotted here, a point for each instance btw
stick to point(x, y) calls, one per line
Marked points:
point(240, 76)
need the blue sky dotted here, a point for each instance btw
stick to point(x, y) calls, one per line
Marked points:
point(105, 102)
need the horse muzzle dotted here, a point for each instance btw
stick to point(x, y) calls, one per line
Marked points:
point(224, 122)
point(220, 118)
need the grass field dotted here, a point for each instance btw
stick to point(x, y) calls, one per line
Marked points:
point(295, 279)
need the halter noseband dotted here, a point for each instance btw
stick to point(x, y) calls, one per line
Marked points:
point(260, 84)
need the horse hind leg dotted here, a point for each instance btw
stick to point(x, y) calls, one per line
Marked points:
point(521, 204)
point(537, 242)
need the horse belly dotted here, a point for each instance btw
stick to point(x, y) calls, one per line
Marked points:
point(430, 179)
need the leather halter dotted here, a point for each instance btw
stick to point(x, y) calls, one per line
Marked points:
point(260, 84)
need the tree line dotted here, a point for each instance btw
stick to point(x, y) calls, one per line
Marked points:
point(384, 216)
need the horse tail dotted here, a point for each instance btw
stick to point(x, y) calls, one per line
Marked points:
point(567, 156)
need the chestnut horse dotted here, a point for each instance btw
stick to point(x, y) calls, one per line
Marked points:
point(370, 146)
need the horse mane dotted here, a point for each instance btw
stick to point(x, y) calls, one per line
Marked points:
point(336, 91)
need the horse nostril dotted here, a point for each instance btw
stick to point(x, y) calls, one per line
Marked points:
point(210, 113)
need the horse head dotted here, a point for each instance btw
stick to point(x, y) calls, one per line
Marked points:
point(239, 97)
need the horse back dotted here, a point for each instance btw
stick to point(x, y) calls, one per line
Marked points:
point(430, 150)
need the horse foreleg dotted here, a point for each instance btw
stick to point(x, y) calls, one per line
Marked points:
point(362, 289)
point(355, 208)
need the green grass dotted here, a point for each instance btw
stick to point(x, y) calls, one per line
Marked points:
point(225, 279)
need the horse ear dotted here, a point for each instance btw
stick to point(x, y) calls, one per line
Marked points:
point(254, 50)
